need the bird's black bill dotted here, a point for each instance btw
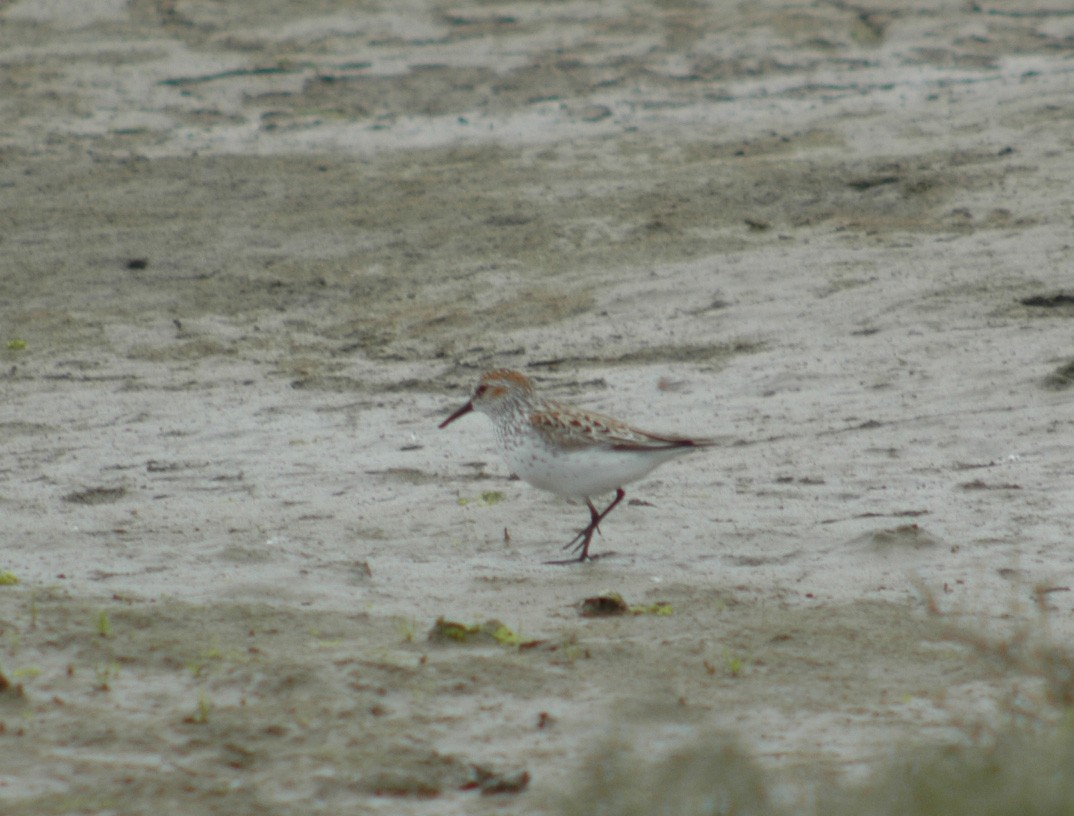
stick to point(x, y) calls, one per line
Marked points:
point(467, 408)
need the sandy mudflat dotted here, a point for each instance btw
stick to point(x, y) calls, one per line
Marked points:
point(252, 253)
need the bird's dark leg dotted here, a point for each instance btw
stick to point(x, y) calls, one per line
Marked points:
point(581, 541)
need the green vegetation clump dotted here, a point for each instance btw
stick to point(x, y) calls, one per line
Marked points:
point(1018, 772)
point(711, 776)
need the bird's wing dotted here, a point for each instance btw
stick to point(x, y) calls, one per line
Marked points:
point(573, 429)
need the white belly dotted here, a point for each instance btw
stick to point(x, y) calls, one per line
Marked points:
point(584, 472)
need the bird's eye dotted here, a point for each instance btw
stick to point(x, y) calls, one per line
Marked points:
point(481, 389)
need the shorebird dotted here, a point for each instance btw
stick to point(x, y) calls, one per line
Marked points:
point(569, 451)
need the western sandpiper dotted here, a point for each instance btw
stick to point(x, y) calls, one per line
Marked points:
point(569, 451)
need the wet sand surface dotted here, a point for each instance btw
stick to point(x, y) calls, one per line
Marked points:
point(252, 254)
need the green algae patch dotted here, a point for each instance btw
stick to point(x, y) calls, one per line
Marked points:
point(491, 631)
point(660, 608)
point(487, 498)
